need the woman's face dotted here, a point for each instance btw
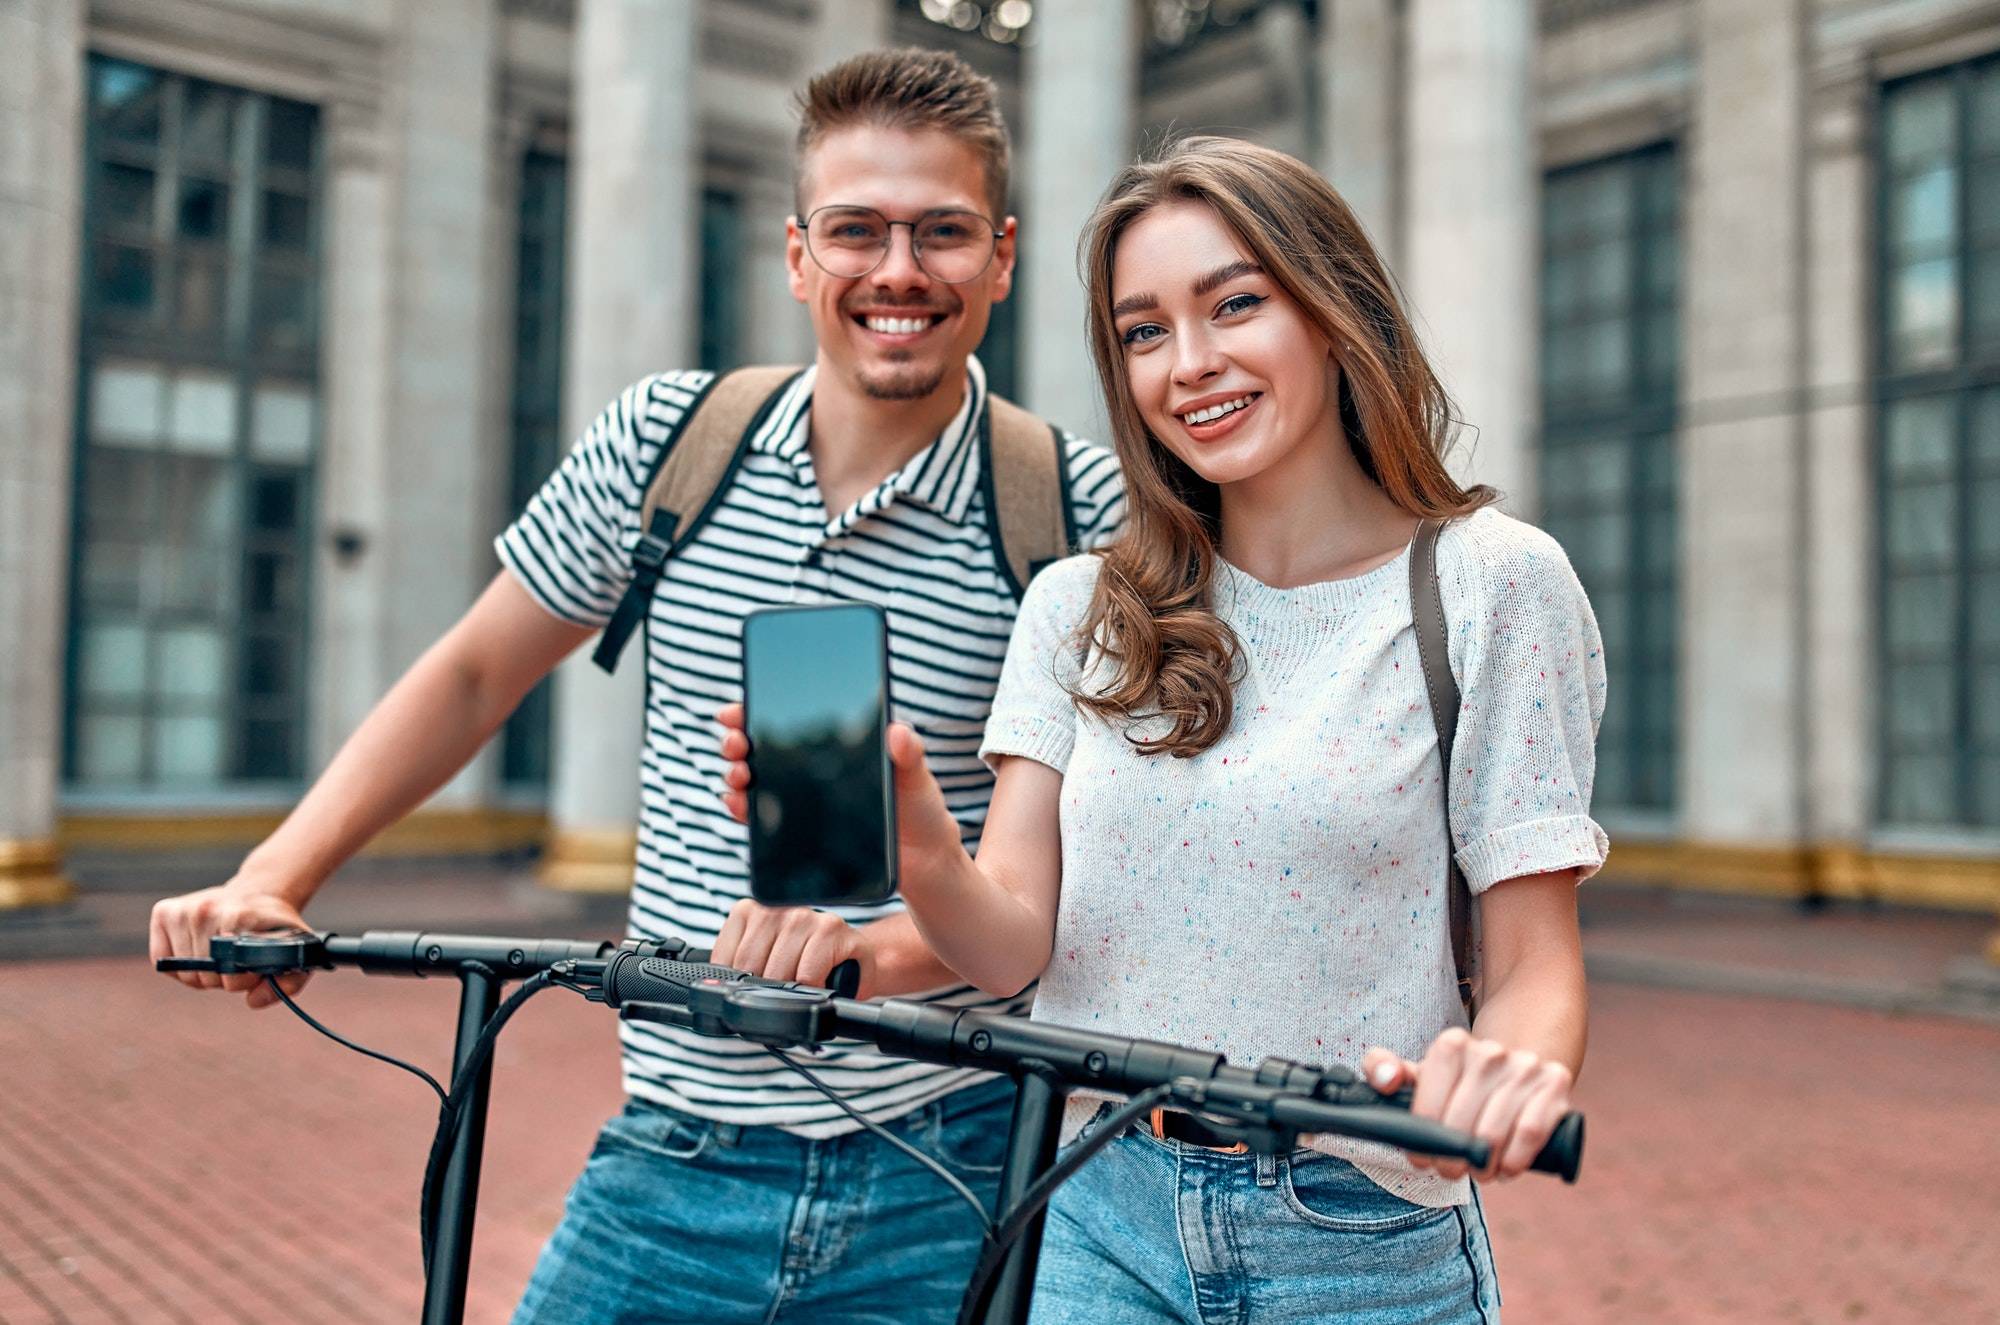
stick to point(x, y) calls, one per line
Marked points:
point(1224, 367)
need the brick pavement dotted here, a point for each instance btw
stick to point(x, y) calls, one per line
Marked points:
point(165, 1156)
point(1762, 1160)
point(1887, 958)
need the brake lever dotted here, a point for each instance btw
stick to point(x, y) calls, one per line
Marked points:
point(275, 952)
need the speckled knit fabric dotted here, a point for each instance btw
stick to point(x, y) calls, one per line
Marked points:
point(1284, 893)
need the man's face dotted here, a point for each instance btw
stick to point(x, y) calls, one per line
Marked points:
point(902, 175)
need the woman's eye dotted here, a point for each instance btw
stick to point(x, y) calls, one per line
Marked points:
point(1144, 333)
point(1240, 303)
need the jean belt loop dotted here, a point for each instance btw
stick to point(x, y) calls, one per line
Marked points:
point(1267, 1170)
point(728, 1134)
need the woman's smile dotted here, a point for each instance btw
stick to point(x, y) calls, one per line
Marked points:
point(1214, 417)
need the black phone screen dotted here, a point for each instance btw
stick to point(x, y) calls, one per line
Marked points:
point(816, 706)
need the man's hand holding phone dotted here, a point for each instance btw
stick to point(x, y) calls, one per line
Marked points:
point(927, 837)
point(799, 943)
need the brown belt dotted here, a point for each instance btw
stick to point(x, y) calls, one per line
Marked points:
point(1173, 1125)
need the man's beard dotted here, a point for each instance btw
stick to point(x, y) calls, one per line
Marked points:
point(900, 381)
point(901, 378)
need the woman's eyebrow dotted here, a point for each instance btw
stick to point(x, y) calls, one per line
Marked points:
point(1226, 272)
point(1134, 303)
point(1229, 271)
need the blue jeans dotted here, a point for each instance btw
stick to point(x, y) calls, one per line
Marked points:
point(677, 1219)
point(1151, 1231)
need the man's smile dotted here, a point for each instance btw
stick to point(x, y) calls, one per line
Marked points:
point(899, 327)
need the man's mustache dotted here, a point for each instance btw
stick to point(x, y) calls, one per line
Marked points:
point(876, 304)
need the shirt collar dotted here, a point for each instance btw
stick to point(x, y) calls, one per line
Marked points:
point(943, 476)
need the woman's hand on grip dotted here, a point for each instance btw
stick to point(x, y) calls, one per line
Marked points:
point(1510, 1098)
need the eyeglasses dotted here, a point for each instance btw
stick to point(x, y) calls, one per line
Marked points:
point(951, 246)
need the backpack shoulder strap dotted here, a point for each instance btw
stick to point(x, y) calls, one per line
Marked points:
point(1025, 471)
point(687, 483)
point(1433, 654)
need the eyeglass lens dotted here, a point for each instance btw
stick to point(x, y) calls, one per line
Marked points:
point(852, 241)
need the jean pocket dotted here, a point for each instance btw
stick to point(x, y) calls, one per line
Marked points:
point(1328, 1192)
point(972, 1141)
point(658, 1132)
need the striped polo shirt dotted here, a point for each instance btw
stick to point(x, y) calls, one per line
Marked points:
point(918, 545)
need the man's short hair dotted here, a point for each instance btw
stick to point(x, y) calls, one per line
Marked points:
point(911, 89)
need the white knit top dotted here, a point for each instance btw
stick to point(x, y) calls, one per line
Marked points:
point(1284, 892)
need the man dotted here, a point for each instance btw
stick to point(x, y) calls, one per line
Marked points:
point(729, 1189)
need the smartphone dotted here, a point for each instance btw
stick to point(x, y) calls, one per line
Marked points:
point(822, 797)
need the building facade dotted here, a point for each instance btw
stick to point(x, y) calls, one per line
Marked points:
point(300, 298)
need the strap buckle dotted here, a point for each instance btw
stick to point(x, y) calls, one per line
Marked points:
point(649, 557)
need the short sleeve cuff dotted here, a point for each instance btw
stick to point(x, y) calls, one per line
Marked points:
point(1568, 842)
point(1031, 737)
point(526, 570)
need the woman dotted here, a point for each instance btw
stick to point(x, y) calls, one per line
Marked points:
point(1218, 817)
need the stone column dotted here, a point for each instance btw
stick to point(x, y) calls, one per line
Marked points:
point(1082, 84)
point(632, 305)
point(436, 525)
point(1839, 505)
point(1469, 245)
point(849, 27)
point(1290, 70)
point(353, 579)
point(41, 125)
point(1360, 47)
point(1742, 493)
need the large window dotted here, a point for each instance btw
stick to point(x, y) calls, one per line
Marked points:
point(198, 421)
point(722, 283)
point(1939, 448)
point(1610, 363)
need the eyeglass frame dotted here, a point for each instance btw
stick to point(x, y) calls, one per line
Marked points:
point(916, 253)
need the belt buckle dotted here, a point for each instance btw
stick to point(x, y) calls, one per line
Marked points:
point(1158, 1123)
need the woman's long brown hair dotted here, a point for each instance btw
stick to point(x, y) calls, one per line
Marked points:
point(1152, 618)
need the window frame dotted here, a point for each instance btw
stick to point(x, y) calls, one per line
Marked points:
point(236, 351)
point(1973, 371)
point(1642, 419)
point(535, 421)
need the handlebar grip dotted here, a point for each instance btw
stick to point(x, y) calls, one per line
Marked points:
point(844, 979)
point(1563, 1154)
point(633, 979)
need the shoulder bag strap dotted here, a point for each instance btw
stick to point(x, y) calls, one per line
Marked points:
point(1433, 653)
point(1026, 475)
point(687, 484)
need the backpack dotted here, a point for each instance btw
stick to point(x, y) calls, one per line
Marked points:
point(1427, 615)
point(1024, 475)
